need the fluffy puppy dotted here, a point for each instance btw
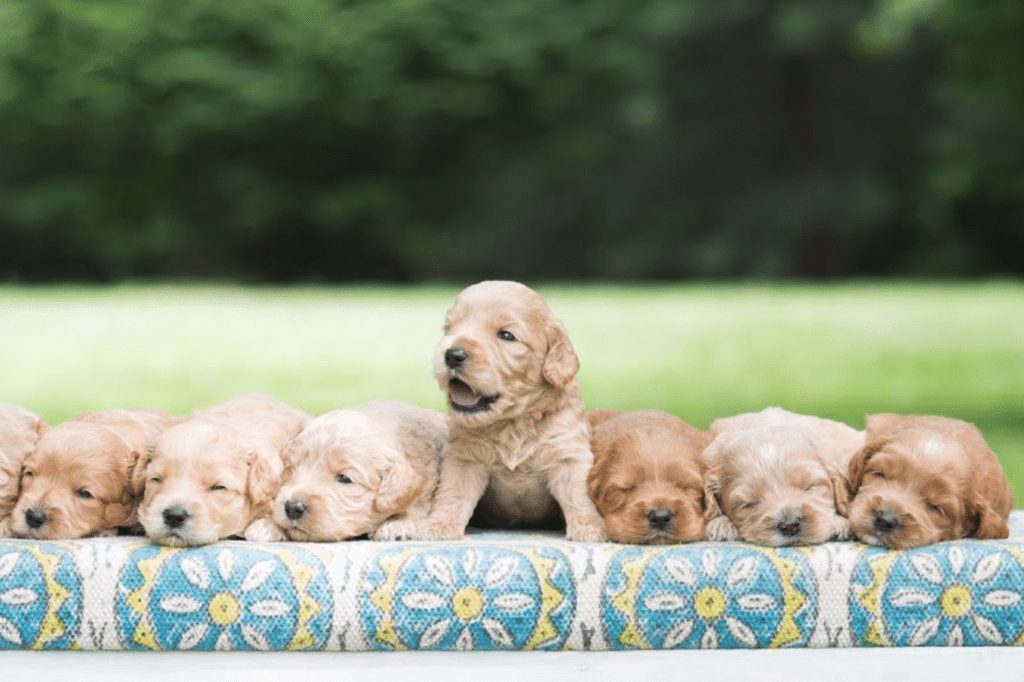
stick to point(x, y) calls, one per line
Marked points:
point(214, 475)
point(19, 432)
point(777, 478)
point(648, 477)
point(78, 481)
point(519, 443)
point(368, 469)
point(920, 480)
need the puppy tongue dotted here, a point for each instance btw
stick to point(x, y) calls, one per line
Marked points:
point(462, 395)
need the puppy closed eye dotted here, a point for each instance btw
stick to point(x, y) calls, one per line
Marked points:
point(155, 480)
point(936, 509)
point(877, 475)
point(215, 488)
point(84, 494)
point(27, 474)
point(747, 505)
point(343, 478)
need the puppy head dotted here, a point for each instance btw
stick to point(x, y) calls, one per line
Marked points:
point(203, 482)
point(348, 473)
point(920, 480)
point(19, 433)
point(777, 480)
point(648, 478)
point(76, 483)
point(502, 352)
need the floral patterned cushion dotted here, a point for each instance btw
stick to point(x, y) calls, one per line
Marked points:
point(507, 591)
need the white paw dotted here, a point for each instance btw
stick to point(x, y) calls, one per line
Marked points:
point(397, 530)
point(721, 529)
point(582, 532)
point(841, 529)
point(435, 531)
point(264, 530)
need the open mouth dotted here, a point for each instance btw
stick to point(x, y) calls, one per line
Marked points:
point(464, 399)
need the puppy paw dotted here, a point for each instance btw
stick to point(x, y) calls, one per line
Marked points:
point(264, 530)
point(721, 529)
point(841, 530)
point(582, 532)
point(397, 530)
point(435, 531)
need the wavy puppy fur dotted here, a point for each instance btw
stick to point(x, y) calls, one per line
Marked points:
point(778, 478)
point(19, 432)
point(648, 477)
point(77, 482)
point(368, 469)
point(215, 475)
point(921, 479)
point(519, 444)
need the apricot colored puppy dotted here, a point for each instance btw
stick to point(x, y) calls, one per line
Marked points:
point(519, 444)
point(778, 478)
point(78, 481)
point(368, 469)
point(920, 480)
point(648, 477)
point(19, 432)
point(215, 475)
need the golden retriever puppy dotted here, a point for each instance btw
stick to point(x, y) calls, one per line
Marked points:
point(19, 432)
point(518, 442)
point(778, 478)
point(369, 469)
point(78, 481)
point(215, 475)
point(920, 480)
point(648, 477)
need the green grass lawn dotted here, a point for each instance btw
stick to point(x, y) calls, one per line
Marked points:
point(699, 351)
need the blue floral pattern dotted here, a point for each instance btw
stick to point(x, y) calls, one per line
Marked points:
point(40, 596)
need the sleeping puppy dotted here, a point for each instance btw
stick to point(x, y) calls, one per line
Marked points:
point(214, 475)
point(19, 432)
point(648, 477)
point(519, 443)
point(371, 469)
point(77, 482)
point(777, 478)
point(920, 480)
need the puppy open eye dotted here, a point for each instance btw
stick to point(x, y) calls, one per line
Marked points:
point(83, 493)
point(506, 335)
point(342, 478)
point(215, 488)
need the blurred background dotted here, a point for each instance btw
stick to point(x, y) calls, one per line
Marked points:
point(731, 203)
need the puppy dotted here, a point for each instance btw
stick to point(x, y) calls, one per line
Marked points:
point(19, 432)
point(77, 482)
point(920, 480)
point(518, 443)
point(648, 477)
point(777, 478)
point(368, 469)
point(214, 475)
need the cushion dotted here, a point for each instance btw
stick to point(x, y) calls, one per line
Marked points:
point(507, 590)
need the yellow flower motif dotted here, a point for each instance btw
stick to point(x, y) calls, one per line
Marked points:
point(709, 603)
point(956, 601)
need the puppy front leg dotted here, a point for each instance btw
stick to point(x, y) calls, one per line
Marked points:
point(404, 526)
point(567, 482)
point(461, 486)
point(841, 530)
point(721, 529)
point(263, 530)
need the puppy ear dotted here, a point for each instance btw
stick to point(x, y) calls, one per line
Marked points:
point(988, 525)
point(137, 474)
point(264, 479)
point(130, 490)
point(399, 487)
point(560, 363)
point(712, 489)
point(855, 472)
point(840, 491)
point(599, 469)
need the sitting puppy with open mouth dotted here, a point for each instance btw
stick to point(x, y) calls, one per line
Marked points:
point(920, 480)
point(519, 443)
point(368, 469)
point(78, 481)
point(778, 478)
point(648, 477)
point(215, 475)
point(19, 433)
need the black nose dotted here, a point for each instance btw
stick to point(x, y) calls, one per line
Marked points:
point(453, 357)
point(659, 518)
point(294, 510)
point(174, 517)
point(885, 521)
point(35, 518)
point(790, 525)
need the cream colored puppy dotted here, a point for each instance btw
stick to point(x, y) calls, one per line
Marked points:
point(778, 478)
point(368, 469)
point(78, 481)
point(19, 432)
point(519, 443)
point(215, 475)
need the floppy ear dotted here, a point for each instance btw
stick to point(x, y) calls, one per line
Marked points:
point(712, 488)
point(855, 472)
point(399, 487)
point(988, 525)
point(561, 363)
point(130, 490)
point(599, 469)
point(137, 475)
point(264, 479)
point(840, 491)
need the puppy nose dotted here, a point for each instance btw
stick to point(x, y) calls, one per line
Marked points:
point(659, 518)
point(790, 524)
point(453, 357)
point(174, 517)
point(35, 518)
point(294, 510)
point(885, 521)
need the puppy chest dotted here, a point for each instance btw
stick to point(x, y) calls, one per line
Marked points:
point(518, 496)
